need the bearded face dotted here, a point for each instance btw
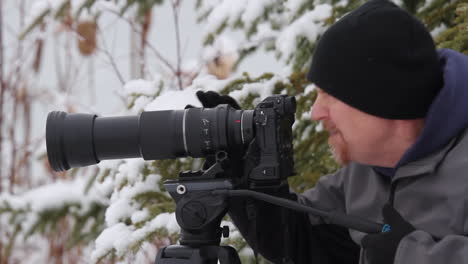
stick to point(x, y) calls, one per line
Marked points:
point(337, 143)
point(357, 136)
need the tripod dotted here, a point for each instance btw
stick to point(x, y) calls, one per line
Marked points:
point(199, 213)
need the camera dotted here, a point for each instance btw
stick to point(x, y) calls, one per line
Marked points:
point(260, 139)
point(77, 140)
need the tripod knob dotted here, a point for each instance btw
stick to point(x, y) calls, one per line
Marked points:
point(225, 231)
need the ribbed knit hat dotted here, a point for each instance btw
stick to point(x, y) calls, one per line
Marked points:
point(379, 59)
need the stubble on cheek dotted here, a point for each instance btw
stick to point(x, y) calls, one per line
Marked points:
point(338, 148)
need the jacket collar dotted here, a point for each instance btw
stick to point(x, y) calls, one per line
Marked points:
point(429, 163)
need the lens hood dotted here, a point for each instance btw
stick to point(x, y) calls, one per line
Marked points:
point(54, 141)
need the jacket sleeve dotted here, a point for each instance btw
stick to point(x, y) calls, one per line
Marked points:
point(421, 247)
point(285, 236)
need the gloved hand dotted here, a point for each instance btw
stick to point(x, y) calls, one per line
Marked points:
point(381, 248)
point(212, 99)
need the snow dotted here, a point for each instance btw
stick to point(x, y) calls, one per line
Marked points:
point(103, 6)
point(142, 92)
point(226, 11)
point(263, 89)
point(28, 206)
point(306, 115)
point(140, 216)
point(163, 220)
point(210, 83)
point(246, 252)
point(190, 66)
point(128, 182)
point(342, 3)
point(122, 201)
point(309, 25)
point(119, 211)
point(254, 10)
point(38, 7)
point(306, 132)
point(264, 32)
point(230, 12)
point(293, 5)
point(54, 196)
point(319, 127)
point(120, 237)
point(309, 88)
point(129, 171)
point(173, 100)
point(437, 30)
point(398, 2)
point(223, 45)
point(141, 87)
point(291, 26)
point(114, 237)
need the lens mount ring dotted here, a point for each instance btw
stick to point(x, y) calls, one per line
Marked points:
point(242, 128)
point(184, 122)
point(247, 126)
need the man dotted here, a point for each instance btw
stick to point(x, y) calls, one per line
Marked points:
point(397, 112)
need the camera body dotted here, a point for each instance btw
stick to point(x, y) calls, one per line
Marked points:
point(273, 119)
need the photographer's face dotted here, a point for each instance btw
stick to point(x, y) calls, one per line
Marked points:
point(354, 135)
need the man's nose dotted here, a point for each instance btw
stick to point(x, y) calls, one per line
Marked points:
point(319, 110)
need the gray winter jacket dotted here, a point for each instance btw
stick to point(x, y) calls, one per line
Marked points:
point(430, 193)
point(429, 188)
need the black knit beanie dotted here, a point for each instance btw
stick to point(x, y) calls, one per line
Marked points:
point(379, 59)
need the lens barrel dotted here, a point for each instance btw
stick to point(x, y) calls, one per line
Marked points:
point(77, 140)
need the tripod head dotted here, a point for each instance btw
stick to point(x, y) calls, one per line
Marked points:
point(199, 213)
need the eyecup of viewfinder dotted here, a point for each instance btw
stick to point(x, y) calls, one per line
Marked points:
point(69, 140)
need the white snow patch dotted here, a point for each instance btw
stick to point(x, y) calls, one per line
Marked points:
point(319, 127)
point(143, 87)
point(174, 100)
point(140, 216)
point(293, 5)
point(114, 237)
point(223, 45)
point(309, 88)
point(310, 25)
point(228, 11)
point(255, 9)
point(437, 30)
point(264, 89)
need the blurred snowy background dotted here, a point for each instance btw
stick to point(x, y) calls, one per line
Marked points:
point(122, 57)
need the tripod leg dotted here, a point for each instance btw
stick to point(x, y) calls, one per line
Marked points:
point(228, 255)
point(177, 254)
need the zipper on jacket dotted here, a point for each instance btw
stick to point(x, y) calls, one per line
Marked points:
point(391, 196)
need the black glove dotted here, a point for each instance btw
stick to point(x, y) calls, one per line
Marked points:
point(381, 248)
point(212, 99)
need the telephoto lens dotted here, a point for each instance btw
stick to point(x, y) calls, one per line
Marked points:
point(77, 140)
